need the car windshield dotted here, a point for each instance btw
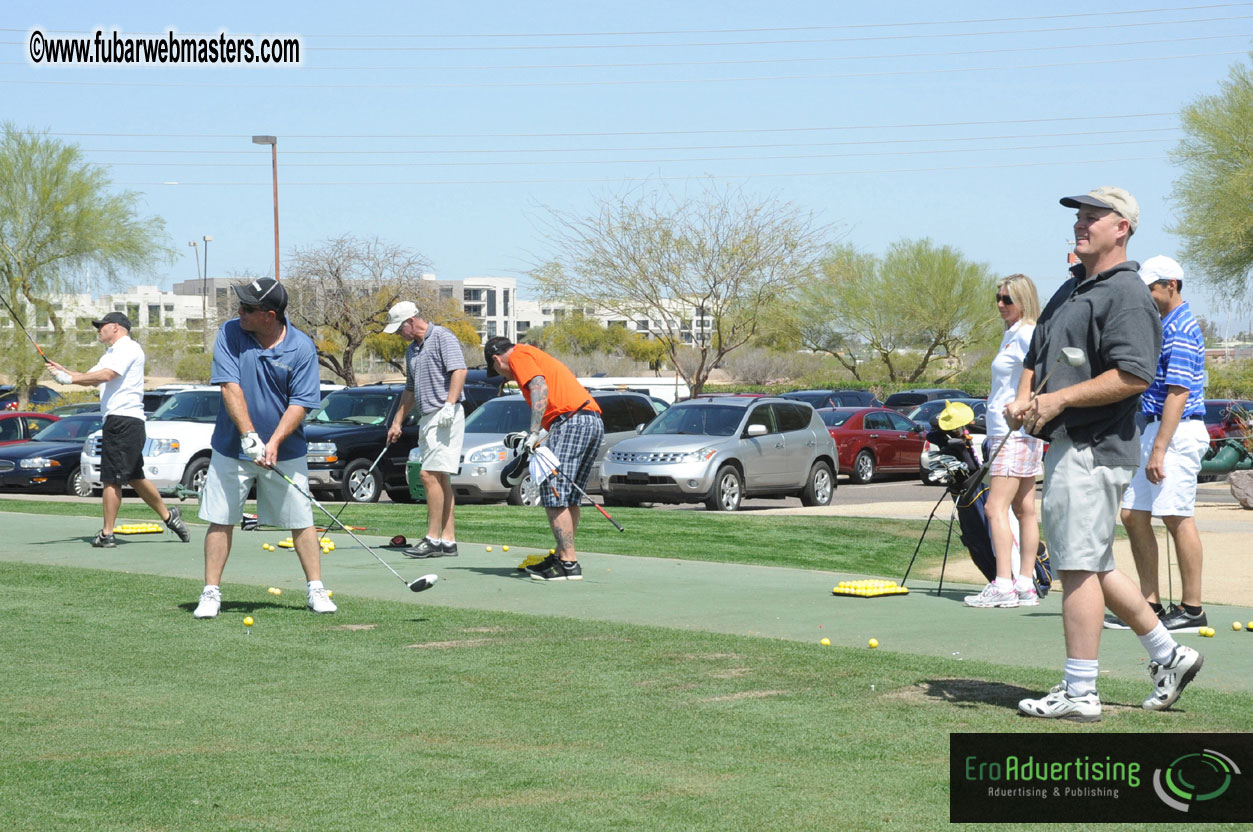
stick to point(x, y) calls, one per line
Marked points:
point(923, 412)
point(69, 429)
point(189, 406)
point(499, 416)
point(697, 420)
point(355, 407)
point(835, 418)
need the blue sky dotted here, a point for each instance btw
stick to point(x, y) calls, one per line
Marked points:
point(447, 128)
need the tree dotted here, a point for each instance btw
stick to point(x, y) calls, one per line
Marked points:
point(919, 303)
point(341, 290)
point(1214, 194)
point(63, 230)
point(722, 257)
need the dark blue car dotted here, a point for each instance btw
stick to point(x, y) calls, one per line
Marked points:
point(49, 461)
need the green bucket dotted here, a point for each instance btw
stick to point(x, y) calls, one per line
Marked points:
point(416, 490)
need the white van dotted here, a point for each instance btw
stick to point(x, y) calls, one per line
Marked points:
point(669, 390)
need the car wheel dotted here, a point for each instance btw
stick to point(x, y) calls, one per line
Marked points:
point(76, 485)
point(525, 493)
point(863, 467)
point(196, 473)
point(361, 485)
point(728, 490)
point(821, 486)
point(620, 502)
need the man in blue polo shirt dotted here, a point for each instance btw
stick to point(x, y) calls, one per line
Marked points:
point(1172, 444)
point(268, 371)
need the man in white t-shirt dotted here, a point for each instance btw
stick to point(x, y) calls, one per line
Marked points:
point(120, 374)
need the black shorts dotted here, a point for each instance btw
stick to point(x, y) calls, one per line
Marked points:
point(122, 450)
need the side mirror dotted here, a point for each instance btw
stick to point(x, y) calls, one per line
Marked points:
point(639, 428)
point(756, 430)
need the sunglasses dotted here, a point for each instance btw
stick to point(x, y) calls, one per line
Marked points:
point(1005, 299)
point(248, 310)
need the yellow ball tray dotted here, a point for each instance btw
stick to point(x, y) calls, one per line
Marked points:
point(139, 528)
point(324, 542)
point(869, 589)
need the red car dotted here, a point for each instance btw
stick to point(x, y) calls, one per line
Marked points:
point(871, 440)
point(16, 426)
point(1227, 418)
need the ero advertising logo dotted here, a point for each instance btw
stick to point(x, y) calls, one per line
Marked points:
point(1100, 777)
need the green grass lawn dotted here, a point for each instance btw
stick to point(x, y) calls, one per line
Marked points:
point(121, 712)
point(862, 545)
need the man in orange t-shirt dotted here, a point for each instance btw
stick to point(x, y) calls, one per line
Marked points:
point(563, 407)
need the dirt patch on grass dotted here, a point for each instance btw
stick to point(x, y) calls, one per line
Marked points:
point(449, 645)
point(731, 672)
point(355, 627)
point(483, 630)
point(692, 657)
point(746, 694)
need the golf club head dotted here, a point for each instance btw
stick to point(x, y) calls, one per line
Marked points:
point(399, 540)
point(513, 440)
point(249, 523)
point(424, 583)
point(515, 471)
point(1073, 356)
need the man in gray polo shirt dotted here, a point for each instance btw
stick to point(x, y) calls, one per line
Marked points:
point(1088, 414)
point(435, 373)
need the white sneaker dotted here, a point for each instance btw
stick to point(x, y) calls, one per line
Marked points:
point(1171, 678)
point(1059, 704)
point(993, 597)
point(210, 603)
point(319, 602)
point(1027, 597)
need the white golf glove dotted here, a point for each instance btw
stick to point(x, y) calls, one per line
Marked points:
point(533, 439)
point(62, 377)
point(447, 415)
point(252, 446)
point(543, 465)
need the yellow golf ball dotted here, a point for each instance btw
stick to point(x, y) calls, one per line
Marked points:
point(1237, 626)
point(504, 548)
point(826, 642)
point(1250, 627)
point(874, 642)
point(489, 548)
point(247, 620)
point(278, 591)
point(330, 593)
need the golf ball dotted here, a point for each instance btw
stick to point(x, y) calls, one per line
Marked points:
point(826, 642)
point(489, 548)
point(1250, 627)
point(330, 593)
point(247, 620)
point(504, 548)
point(1237, 626)
point(874, 642)
point(552, 551)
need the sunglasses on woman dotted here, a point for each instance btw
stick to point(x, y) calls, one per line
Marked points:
point(1005, 299)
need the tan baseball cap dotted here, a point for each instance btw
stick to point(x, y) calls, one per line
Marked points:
point(1107, 196)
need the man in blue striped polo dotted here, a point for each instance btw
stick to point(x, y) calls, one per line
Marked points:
point(1172, 444)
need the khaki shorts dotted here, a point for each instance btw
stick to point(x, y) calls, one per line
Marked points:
point(278, 504)
point(441, 447)
point(1080, 506)
point(1174, 496)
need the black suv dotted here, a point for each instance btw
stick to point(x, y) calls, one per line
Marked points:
point(347, 432)
point(907, 400)
point(834, 398)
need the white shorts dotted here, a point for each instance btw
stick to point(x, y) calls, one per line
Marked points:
point(1081, 507)
point(1174, 496)
point(441, 447)
point(278, 504)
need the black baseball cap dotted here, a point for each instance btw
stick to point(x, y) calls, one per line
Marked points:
point(265, 292)
point(113, 318)
point(494, 347)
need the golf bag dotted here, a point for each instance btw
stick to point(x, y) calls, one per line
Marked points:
point(954, 465)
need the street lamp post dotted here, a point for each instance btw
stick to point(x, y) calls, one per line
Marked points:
point(204, 295)
point(272, 141)
point(204, 344)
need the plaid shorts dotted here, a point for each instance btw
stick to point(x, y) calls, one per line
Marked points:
point(576, 442)
point(1021, 457)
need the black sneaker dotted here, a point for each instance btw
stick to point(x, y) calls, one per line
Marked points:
point(176, 524)
point(104, 541)
point(541, 566)
point(557, 570)
point(450, 549)
point(1179, 621)
point(426, 548)
point(1113, 622)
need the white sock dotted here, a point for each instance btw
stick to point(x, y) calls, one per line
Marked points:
point(315, 585)
point(1080, 676)
point(1159, 642)
point(1004, 585)
point(448, 541)
point(212, 586)
point(1022, 583)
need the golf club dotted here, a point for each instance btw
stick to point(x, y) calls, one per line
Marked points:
point(1074, 357)
point(369, 472)
point(423, 583)
point(515, 471)
point(23, 328)
point(556, 471)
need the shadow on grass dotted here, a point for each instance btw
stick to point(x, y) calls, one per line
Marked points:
point(968, 692)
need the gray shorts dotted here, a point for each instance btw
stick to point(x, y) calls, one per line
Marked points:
point(278, 504)
point(1081, 507)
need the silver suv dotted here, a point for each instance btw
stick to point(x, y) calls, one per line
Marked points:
point(484, 453)
point(719, 450)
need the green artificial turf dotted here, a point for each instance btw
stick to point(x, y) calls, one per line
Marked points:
point(122, 712)
point(851, 544)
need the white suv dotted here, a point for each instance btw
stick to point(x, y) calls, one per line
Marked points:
point(177, 449)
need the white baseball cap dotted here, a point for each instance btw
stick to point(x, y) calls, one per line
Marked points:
point(1158, 268)
point(400, 313)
